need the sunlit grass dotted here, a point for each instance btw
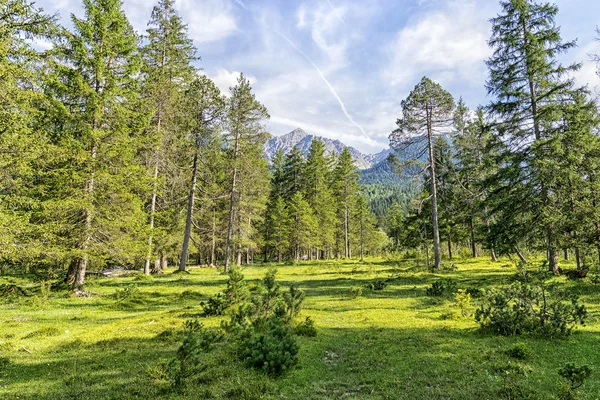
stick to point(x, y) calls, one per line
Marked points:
point(391, 344)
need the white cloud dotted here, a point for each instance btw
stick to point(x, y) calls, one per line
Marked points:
point(588, 74)
point(450, 43)
point(225, 79)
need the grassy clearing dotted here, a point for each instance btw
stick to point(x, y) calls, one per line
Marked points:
point(395, 343)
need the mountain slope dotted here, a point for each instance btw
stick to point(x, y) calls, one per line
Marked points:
point(301, 139)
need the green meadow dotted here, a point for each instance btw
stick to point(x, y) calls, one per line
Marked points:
point(396, 343)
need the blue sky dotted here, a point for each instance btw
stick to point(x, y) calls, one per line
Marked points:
point(339, 68)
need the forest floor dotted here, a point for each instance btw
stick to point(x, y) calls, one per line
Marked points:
point(396, 343)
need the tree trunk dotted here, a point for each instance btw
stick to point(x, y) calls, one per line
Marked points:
point(214, 239)
point(164, 261)
point(188, 221)
point(520, 255)
point(232, 203)
point(473, 246)
point(493, 254)
point(152, 212)
point(157, 269)
point(434, 205)
point(449, 248)
point(566, 254)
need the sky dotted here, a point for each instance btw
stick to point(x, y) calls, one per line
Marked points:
point(340, 68)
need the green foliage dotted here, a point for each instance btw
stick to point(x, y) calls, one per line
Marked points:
point(215, 305)
point(293, 300)
point(519, 351)
point(575, 377)
point(188, 361)
point(355, 292)
point(376, 285)
point(272, 350)
point(525, 308)
point(306, 328)
point(236, 290)
point(129, 292)
point(441, 287)
point(462, 300)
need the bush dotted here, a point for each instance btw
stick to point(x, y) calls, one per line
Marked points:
point(236, 290)
point(196, 341)
point(519, 351)
point(355, 292)
point(306, 328)
point(273, 351)
point(377, 285)
point(462, 300)
point(130, 292)
point(216, 305)
point(575, 377)
point(293, 300)
point(440, 288)
point(524, 308)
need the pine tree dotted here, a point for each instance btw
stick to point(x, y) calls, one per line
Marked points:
point(98, 181)
point(204, 108)
point(528, 86)
point(245, 136)
point(345, 189)
point(426, 112)
point(168, 56)
point(365, 230)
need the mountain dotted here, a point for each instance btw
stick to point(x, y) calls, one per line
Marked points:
point(301, 139)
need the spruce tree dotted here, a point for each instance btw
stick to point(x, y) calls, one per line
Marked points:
point(24, 143)
point(426, 112)
point(345, 188)
point(303, 225)
point(98, 182)
point(245, 136)
point(528, 86)
point(316, 179)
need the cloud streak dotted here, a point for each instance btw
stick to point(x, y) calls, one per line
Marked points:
point(324, 79)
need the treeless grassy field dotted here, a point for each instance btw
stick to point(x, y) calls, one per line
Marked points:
point(396, 343)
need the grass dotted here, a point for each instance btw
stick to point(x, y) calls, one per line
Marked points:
point(395, 343)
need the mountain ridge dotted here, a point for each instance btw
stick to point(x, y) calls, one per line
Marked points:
point(301, 139)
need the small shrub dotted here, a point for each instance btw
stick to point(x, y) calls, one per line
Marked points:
point(440, 287)
point(355, 292)
point(519, 351)
point(462, 300)
point(214, 306)
point(575, 377)
point(293, 300)
point(475, 292)
point(448, 316)
point(236, 290)
point(377, 285)
point(190, 295)
point(273, 351)
point(127, 293)
point(595, 279)
point(306, 328)
point(188, 361)
point(536, 309)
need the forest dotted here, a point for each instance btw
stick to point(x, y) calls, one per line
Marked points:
point(148, 249)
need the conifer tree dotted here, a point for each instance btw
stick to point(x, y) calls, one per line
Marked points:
point(168, 56)
point(316, 178)
point(97, 125)
point(303, 225)
point(204, 108)
point(426, 112)
point(293, 173)
point(245, 136)
point(345, 189)
point(528, 86)
point(23, 142)
point(279, 222)
point(364, 226)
